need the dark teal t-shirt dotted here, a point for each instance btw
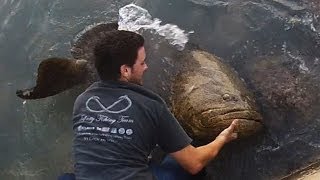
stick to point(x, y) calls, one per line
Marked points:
point(116, 126)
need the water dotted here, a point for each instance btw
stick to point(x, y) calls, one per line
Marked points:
point(279, 37)
point(35, 136)
point(135, 18)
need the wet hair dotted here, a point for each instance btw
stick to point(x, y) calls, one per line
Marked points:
point(117, 48)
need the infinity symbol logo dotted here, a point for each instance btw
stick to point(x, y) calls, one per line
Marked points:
point(96, 99)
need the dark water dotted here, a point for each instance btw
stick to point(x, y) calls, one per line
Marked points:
point(272, 44)
point(35, 137)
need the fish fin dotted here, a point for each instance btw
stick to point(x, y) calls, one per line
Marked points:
point(56, 75)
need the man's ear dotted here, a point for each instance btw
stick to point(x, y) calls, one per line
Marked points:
point(125, 70)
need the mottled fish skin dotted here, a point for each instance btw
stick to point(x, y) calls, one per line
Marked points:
point(208, 96)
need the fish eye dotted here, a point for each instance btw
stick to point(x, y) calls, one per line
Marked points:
point(228, 97)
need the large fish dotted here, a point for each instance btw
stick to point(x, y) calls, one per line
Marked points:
point(206, 94)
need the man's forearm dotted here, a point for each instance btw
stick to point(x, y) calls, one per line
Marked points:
point(194, 159)
point(209, 151)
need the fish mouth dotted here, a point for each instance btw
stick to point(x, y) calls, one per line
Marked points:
point(225, 114)
point(249, 121)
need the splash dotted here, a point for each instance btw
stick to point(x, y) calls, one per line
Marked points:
point(307, 20)
point(302, 64)
point(135, 18)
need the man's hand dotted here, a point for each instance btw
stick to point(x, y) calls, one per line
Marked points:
point(229, 133)
point(194, 159)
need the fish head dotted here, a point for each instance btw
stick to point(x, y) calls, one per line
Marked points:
point(209, 95)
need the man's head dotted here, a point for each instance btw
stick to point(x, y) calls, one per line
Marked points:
point(120, 55)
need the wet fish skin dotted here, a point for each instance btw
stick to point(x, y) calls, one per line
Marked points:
point(208, 96)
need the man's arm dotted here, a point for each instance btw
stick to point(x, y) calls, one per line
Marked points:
point(194, 159)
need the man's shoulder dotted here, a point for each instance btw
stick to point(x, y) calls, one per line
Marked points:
point(108, 90)
point(132, 89)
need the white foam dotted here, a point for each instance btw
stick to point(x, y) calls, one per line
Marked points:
point(313, 144)
point(307, 19)
point(302, 64)
point(316, 61)
point(135, 18)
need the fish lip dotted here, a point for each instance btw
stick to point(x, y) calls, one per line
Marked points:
point(212, 127)
point(249, 119)
point(228, 114)
point(240, 120)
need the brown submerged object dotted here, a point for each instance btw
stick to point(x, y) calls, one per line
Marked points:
point(207, 95)
point(56, 75)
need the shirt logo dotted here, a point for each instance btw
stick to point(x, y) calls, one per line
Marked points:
point(96, 100)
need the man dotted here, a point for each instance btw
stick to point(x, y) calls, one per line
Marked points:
point(117, 122)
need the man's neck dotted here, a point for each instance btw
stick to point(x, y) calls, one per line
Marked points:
point(123, 79)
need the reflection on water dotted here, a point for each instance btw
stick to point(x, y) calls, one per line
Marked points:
point(273, 45)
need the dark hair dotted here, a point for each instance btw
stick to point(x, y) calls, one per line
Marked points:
point(117, 48)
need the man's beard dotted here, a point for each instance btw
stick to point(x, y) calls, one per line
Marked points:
point(136, 81)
